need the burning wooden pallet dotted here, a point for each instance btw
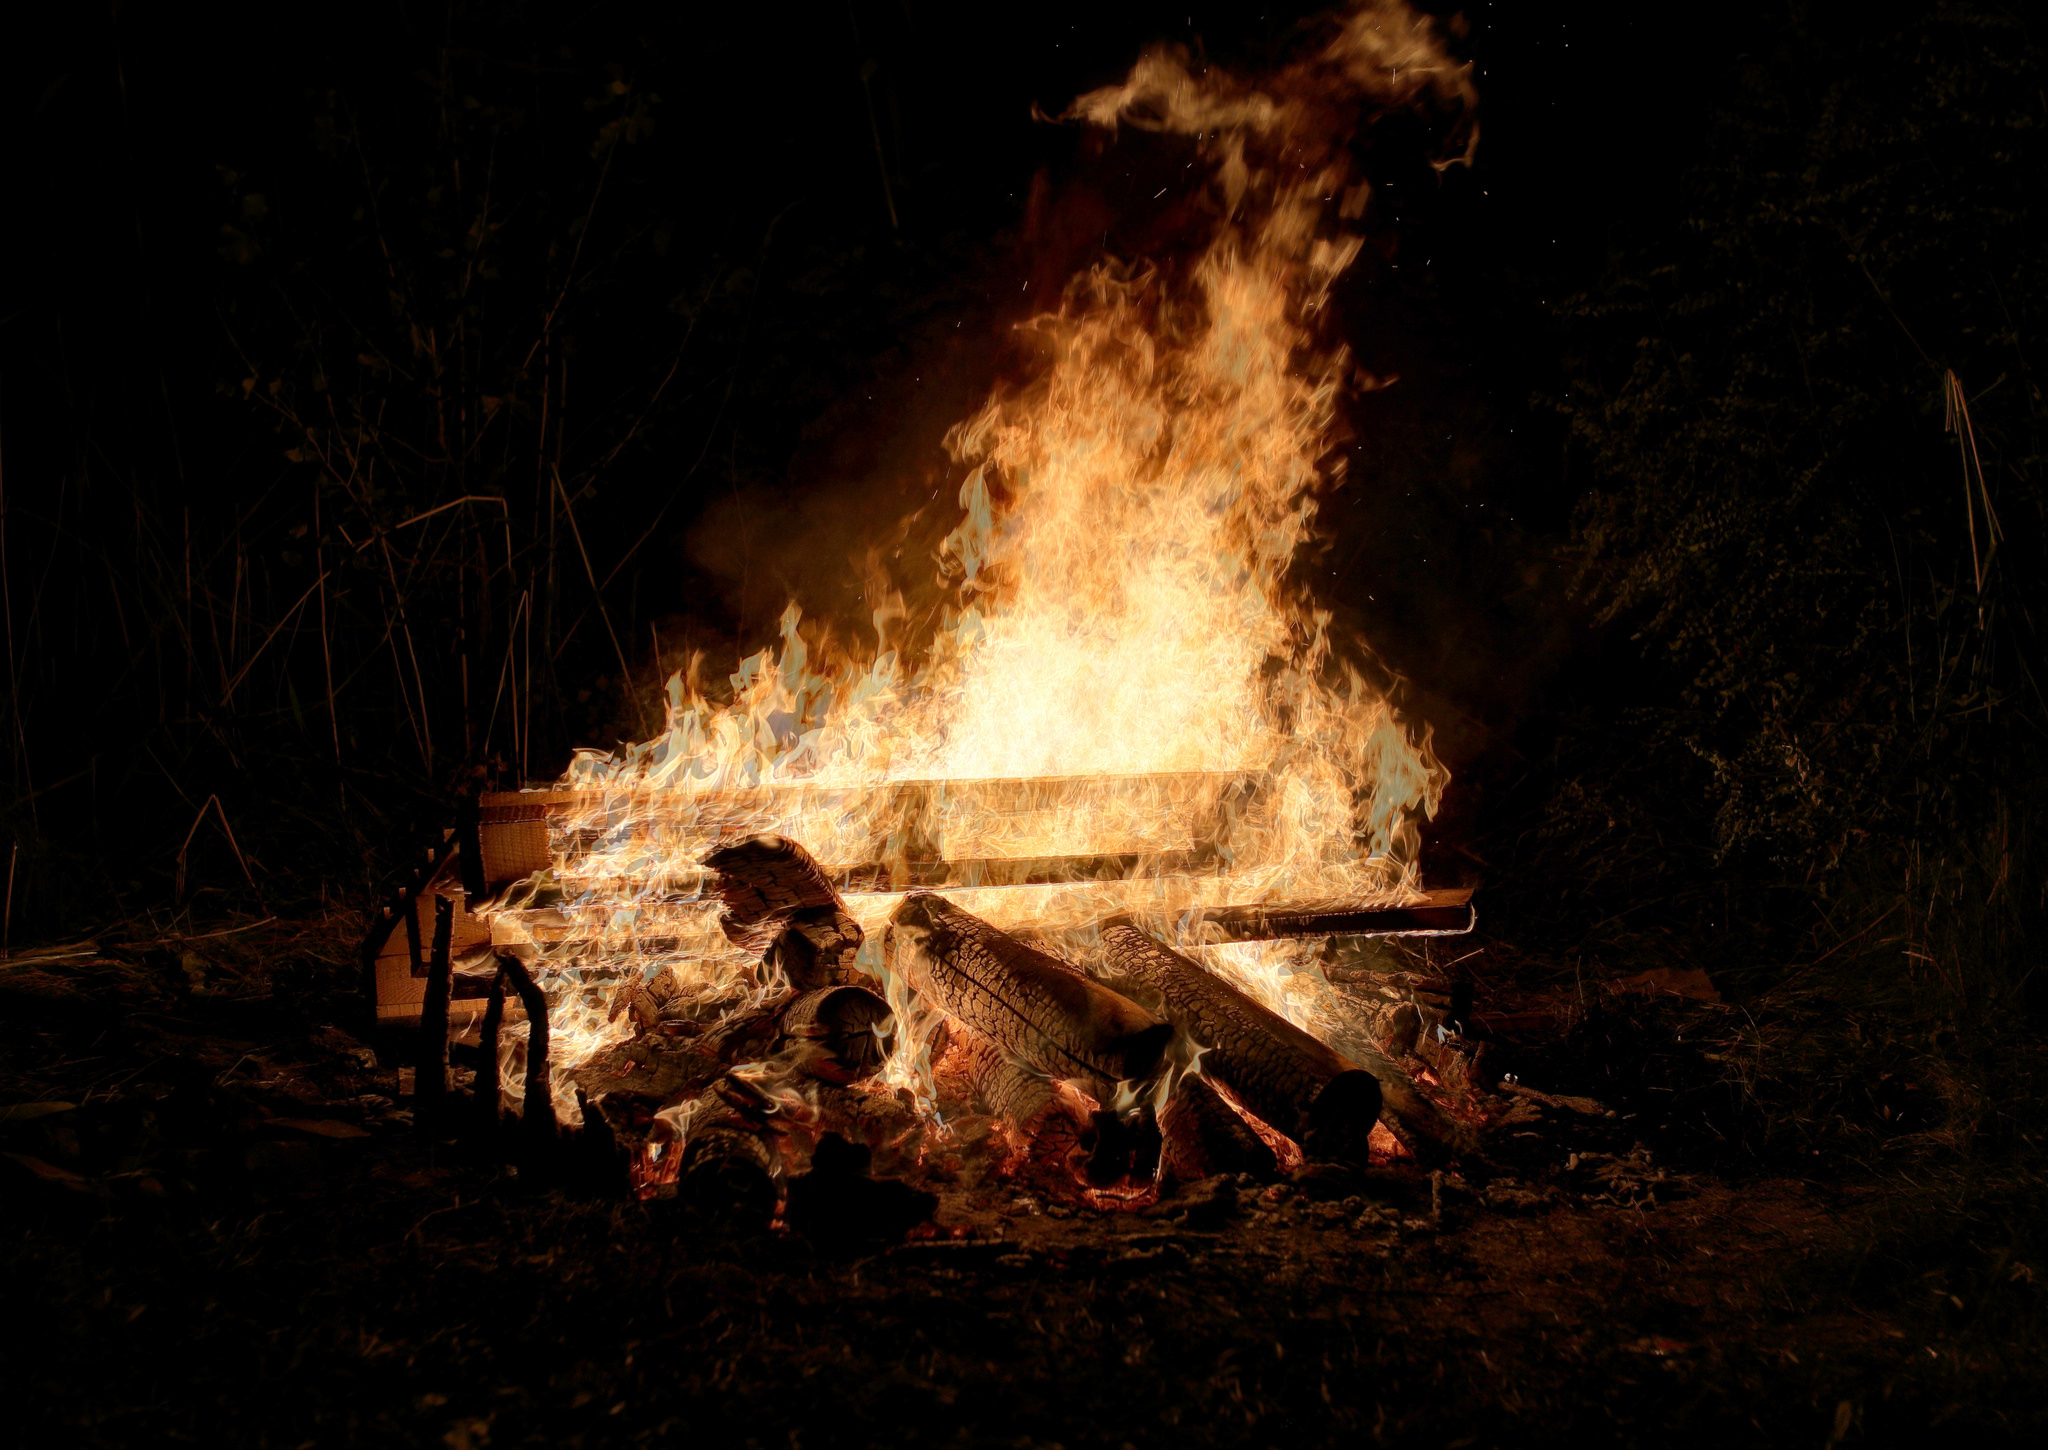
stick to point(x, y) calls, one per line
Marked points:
point(1147, 841)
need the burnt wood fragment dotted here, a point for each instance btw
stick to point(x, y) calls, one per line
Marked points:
point(816, 948)
point(729, 1161)
point(1029, 1005)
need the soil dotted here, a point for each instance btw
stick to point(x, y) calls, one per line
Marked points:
point(232, 1235)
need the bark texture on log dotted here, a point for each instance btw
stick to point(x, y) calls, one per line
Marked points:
point(780, 904)
point(1203, 1136)
point(1028, 1004)
point(1300, 1086)
point(1048, 1127)
point(1020, 1097)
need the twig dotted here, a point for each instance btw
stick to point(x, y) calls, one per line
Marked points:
point(625, 672)
point(229, 693)
point(214, 801)
point(7, 930)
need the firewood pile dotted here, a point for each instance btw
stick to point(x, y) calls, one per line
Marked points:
point(822, 1091)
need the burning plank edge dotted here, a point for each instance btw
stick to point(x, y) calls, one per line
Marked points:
point(1446, 912)
point(1438, 913)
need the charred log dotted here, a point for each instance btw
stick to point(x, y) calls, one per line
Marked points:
point(780, 904)
point(1029, 1005)
point(1203, 1136)
point(816, 948)
point(838, 1034)
point(764, 877)
point(1435, 913)
point(1055, 1129)
point(1300, 1086)
point(1028, 1102)
point(729, 1160)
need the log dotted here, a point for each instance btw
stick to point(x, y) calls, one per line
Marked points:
point(1203, 1136)
point(1027, 1102)
point(1298, 1085)
point(1028, 1004)
point(780, 904)
point(727, 1175)
point(430, 1071)
point(765, 878)
point(816, 948)
point(838, 1034)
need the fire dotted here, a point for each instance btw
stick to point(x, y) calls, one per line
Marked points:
point(1124, 673)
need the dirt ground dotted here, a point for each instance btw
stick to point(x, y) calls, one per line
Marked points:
point(232, 1236)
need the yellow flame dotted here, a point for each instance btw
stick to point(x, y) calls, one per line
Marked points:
point(1123, 671)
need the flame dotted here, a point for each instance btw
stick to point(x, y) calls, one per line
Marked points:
point(1123, 669)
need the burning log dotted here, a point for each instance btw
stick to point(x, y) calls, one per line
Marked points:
point(727, 1172)
point(1028, 1103)
point(1268, 1062)
point(1306, 1090)
point(1054, 1128)
point(1203, 1136)
point(886, 1121)
point(1029, 1005)
point(838, 1034)
point(1446, 912)
point(430, 1072)
point(780, 903)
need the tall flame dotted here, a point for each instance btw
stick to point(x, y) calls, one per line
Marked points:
point(1118, 601)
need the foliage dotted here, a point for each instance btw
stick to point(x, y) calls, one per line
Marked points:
point(1832, 685)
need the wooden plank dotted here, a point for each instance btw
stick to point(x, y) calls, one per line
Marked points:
point(1195, 811)
point(1435, 913)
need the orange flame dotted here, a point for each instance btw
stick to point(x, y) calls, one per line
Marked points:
point(1123, 669)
